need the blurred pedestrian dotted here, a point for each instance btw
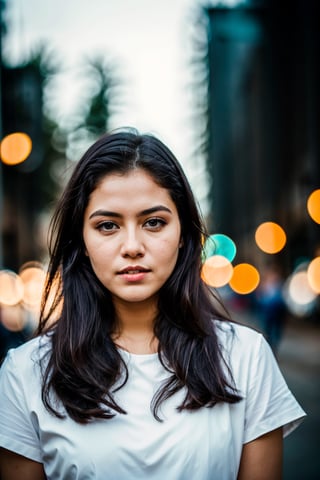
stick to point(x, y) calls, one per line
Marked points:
point(270, 306)
point(141, 376)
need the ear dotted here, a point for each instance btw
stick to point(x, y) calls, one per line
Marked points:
point(181, 243)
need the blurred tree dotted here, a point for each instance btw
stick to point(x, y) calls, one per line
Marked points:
point(98, 115)
point(97, 106)
point(28, 188)
point(31, 187)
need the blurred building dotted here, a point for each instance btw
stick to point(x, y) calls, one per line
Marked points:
point(21, 105)
point(264, 121)
point(2, 28)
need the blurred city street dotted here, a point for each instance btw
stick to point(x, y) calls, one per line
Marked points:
point(299, 359)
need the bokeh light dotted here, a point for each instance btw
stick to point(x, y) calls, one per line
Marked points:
point(313, 273)
point(299, 288)
point(33, 277)
point(297, 293)
point(313, 205)
point(15, 148)
point(219, 244)
point(270, 237)
point(245, 278)
point(216, 271)
point(209, 247)
point(11, 288)
point(13, 318)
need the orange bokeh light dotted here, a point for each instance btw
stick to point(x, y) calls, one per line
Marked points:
point(216, 271)
point(15, 148)
point(270, 237)
point(33, 278)
point(12, 318)
point(245, 278)
point(314, 274)
point(11, 288)
point(313, 205)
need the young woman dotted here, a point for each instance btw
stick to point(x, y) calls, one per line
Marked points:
point(141, 376)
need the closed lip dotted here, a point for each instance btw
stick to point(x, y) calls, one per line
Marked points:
point(132, 269)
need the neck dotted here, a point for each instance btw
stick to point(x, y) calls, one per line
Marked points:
point(134, 331)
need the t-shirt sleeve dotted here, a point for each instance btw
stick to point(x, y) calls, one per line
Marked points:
point(18, 431)
point(269, 402)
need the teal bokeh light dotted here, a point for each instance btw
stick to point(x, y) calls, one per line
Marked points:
point(219, 244)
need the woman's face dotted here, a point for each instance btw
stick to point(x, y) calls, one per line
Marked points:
point(132, 236)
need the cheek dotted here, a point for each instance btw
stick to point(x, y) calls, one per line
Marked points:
point(99, 256)
point(96, 246)
point(169, 251)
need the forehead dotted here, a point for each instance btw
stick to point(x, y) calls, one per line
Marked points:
point(133, 188)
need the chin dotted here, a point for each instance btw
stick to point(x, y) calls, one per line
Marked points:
point(135, 298)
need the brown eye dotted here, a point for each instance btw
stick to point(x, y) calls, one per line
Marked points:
point(154, 223)
point(107, 226)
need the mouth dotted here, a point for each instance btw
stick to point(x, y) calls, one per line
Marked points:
point(134, 274)
point(133, 270)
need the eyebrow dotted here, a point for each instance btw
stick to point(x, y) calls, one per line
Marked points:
point(147, 211)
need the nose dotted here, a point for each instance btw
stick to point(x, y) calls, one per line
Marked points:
point(132, 245)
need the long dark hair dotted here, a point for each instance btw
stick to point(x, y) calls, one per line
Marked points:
point(84, 367)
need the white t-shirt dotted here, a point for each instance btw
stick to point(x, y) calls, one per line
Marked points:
point(204, 444)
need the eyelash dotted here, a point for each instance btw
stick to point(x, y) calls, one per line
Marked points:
point(102, 225)
point(159, 223)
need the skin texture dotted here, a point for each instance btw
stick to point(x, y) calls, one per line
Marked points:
point(262, 458)
point(132, 223)
point(128, 237)
point(17, 467)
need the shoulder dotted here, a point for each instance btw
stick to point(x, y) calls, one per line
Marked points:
point(25, 357)
point(255, 372)
point(21, 401)
point(244, 350)
point(21, 373)
point(233, 336)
